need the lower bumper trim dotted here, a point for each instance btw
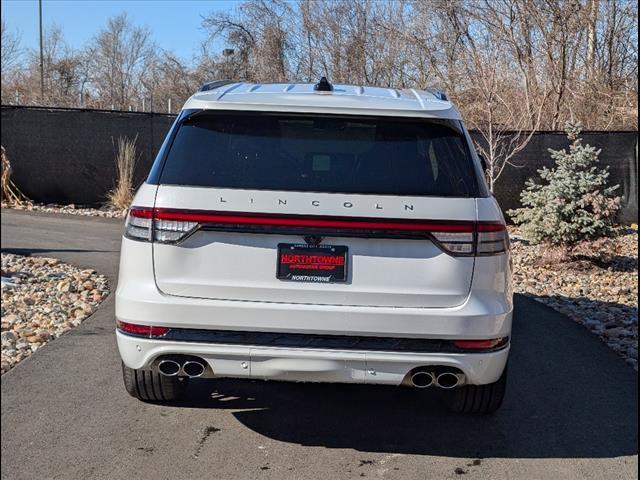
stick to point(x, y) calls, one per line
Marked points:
point(311, 364)
point(330, 342)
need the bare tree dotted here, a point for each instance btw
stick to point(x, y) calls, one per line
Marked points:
point(10, 48)
point(63, 67)
point(516, 65)
point(169, 78)
point(501, 120)
point(257, 31)
point(120, 56)
point(501, 142)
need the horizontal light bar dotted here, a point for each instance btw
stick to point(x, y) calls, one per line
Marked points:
point(313, 221)
point(456, 237)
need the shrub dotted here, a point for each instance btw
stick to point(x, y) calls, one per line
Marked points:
point(121, 196)
point(573, 202)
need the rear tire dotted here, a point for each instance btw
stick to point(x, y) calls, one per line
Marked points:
point(150, 386)
point(482, 399)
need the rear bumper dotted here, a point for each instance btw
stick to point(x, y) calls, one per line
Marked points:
point(486, 314)
point(312, 365)
point(468, 322)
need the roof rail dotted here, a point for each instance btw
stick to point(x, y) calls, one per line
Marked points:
point(215, 84)
point(439, 94)
point(418, 98)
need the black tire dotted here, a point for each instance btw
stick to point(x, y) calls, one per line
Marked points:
point(150, 386)
point(483, 399)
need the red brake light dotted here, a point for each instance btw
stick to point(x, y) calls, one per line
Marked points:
point(348, 223)
point(150, 331)
point(481, 344)
point(457, 238)
point(143, 212)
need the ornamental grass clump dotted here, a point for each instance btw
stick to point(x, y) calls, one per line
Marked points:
point(10, 194)
point(573, 202)
point(120, 197)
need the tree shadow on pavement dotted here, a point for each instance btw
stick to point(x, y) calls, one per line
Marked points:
point(568, 396)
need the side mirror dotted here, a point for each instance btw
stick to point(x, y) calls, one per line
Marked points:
point(483, 162)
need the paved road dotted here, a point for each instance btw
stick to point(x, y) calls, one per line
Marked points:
point(571, 410)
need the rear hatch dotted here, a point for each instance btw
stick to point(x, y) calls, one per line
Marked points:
point(393, 199)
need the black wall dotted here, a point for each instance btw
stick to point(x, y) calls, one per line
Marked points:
point(619, 152)
point(68, 155)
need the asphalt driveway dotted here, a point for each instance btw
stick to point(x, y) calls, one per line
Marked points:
point(571, 409)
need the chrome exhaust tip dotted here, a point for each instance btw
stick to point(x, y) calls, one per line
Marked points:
point(193, 369)
point(422, 379)
point(448, 380)
point(169, 368)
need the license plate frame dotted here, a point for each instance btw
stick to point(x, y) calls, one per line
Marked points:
point(300, 262)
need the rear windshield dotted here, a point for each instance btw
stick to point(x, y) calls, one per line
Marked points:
point(386, 156)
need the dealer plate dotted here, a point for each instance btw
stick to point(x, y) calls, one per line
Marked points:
point(312, 263)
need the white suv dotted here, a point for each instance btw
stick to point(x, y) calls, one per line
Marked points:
point(316, 233)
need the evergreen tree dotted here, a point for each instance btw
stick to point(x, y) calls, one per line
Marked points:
point(573, 203)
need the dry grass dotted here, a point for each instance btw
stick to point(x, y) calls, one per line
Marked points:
point(553, 255)
point(588, 255)
point(11, 195)
point(121, 196)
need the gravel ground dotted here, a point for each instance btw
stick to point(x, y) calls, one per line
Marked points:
point(42, 298)
point(70, 209)
point(599, 292)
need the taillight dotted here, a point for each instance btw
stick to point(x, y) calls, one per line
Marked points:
point(493, 238)
point(455, 243)
point(490, 344)
point(147, 331)
point(138, 224)
point(170, 231)
point(483, 238)
point(144, 224)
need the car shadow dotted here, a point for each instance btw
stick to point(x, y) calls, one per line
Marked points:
point(568, 396)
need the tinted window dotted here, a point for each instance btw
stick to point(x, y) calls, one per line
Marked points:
point(366, 155)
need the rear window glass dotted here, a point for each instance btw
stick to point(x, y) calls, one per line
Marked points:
point(387, 156)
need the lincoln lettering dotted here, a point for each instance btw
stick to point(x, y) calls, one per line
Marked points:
point(316, 203)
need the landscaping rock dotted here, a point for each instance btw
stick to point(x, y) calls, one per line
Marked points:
point(8, 338)
point(42, 303)
point(69, 209)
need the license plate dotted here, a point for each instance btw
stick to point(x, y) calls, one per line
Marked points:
point(312, 263)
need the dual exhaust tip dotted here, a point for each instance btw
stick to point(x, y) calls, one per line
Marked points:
point(420, 378)
point(190, 368)
point(446, 380)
